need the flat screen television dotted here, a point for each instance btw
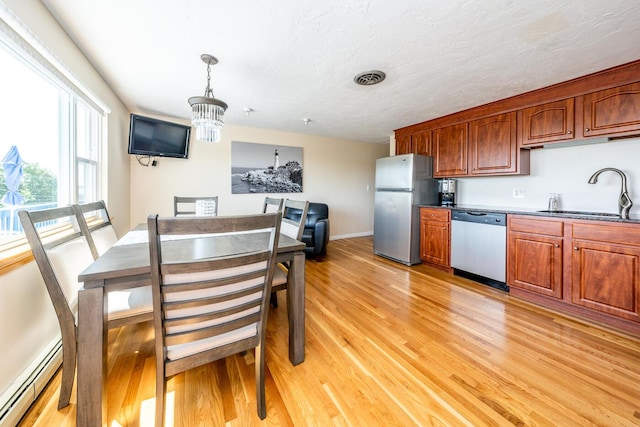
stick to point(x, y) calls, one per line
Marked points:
point(154, 137)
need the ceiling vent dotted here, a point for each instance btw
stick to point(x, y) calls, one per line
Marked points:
point(369, 78)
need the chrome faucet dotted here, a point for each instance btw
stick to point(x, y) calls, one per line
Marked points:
point(624, 202)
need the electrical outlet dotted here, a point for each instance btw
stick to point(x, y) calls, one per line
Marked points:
point(518, 193)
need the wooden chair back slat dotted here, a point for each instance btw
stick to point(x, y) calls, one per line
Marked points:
point(272, 204)
point(99, 225)
point(291, 228)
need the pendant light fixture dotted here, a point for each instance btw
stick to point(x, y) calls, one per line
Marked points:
point(207, 112)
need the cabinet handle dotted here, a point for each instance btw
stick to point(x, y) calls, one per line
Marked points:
point(587, 129)
point(569, 133)
point(556, 245)
point(575, 248)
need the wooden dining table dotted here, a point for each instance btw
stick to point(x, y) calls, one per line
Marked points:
point(126, 265)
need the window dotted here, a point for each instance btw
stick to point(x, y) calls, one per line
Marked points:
point(57, 134)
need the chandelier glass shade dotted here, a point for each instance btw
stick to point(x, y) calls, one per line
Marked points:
point(207, 112)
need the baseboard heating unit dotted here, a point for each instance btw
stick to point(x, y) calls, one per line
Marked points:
point(17, 400)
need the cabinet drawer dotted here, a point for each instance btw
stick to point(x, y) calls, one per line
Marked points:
point(624, 234)
point(547, 227)
point(435, 214)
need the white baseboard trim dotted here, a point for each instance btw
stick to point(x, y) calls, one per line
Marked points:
point(346, 236)
point(17, 400)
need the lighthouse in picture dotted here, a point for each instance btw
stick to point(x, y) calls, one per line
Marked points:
point(276, 160)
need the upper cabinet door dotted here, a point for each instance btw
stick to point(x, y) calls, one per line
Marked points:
point(421, 143)
point(417, 143)
point(549, 122)
point(493, 145)
point(612, 111)
point(403, 144)
point(449, 148)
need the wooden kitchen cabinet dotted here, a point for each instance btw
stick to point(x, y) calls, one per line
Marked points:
point(417, 143)
point(606, 269)
point(493, 147)
point(534, 255)
point(588, 268)
point(449, 148)
point(612, 111)
point(605, 103)
point(486, 146)
point(435, 237)
point(421, 143)
point(548, 123)
point(403, 144)
point(497, 144)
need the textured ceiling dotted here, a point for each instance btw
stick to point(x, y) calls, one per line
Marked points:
point(295, 59)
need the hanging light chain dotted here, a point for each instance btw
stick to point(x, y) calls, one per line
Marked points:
point(207, 90)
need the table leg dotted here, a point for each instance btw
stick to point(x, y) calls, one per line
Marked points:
point(92, 357)
point(295, 308)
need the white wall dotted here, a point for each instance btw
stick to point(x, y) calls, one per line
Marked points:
point(336, 172)
point(566, 171)
point(28, 322)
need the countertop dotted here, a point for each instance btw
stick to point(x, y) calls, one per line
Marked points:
point(594, 216)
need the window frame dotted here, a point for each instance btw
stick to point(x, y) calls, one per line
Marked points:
point(26, 47)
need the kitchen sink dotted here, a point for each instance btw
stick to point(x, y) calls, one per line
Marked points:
point(581, 213)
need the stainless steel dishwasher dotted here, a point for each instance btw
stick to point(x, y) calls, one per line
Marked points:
point(479, 246)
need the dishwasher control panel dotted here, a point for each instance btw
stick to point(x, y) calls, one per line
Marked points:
point(490, 218)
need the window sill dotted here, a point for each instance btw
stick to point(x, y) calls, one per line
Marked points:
point(14, 258)
point(17, 253)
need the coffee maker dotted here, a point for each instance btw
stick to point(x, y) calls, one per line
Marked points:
point(447, 192)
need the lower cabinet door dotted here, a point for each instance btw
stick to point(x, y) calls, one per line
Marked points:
point(435, 242)
point(606, 278)
point(535, 263)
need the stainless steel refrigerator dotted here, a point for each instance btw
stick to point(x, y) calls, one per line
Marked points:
point(402, 184)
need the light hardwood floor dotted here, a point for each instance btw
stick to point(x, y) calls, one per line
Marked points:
point(390, 345)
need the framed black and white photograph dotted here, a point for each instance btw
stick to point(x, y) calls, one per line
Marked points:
point(265, 168)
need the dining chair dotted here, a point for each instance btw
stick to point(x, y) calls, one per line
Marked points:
point(195, 206)
point(272, 204)
point(292, 228)
point(207, 308)
point(99, 225)
point(63, 247)
point(130, 305)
